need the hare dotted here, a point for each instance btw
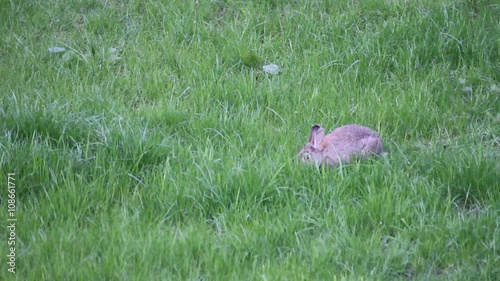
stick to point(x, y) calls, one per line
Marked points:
point(340, 145)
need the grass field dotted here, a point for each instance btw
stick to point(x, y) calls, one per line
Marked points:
point(156, 148)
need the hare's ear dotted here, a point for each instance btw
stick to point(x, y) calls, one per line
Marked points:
point(317, 135)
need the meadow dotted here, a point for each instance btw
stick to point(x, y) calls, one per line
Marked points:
point(148, 143)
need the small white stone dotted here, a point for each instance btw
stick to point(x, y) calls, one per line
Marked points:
point(271, 69)
point(467, 89)
point(494, 88)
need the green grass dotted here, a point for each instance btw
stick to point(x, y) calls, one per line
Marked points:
point(171, 159)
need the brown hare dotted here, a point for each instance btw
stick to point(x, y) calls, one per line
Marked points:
point(344, 143)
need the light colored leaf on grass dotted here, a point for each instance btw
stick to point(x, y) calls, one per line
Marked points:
point(57, 49)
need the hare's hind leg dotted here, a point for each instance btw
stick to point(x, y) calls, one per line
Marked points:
point(371, 146)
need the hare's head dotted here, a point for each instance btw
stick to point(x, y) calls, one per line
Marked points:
point(312, 153)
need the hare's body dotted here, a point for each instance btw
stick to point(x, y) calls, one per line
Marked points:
point(340, 145)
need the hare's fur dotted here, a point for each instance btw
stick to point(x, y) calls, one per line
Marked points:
point(341, 145)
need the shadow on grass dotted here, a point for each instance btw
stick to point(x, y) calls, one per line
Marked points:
point(468, 175)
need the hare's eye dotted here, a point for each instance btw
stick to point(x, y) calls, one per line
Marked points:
point(307, 157)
